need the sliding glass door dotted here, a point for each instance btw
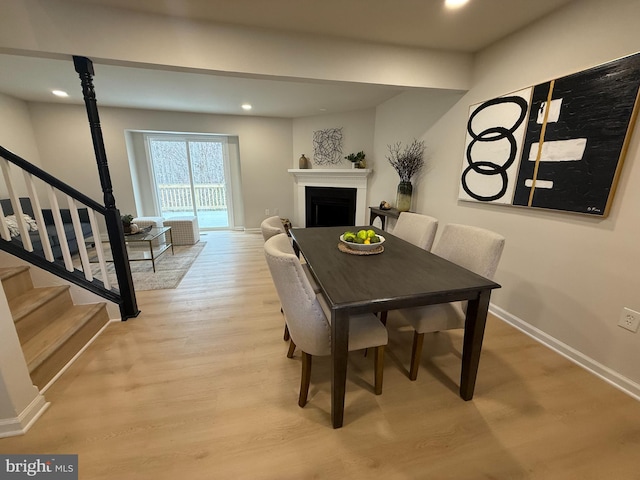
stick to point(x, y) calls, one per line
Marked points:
point(191, 177)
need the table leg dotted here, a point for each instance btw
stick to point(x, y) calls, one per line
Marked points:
point(373, 215)
point(339, 354)
point(170, 241)
point(153, 260)
point(473, 335)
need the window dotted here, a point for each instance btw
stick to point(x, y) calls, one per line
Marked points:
point(191, 177)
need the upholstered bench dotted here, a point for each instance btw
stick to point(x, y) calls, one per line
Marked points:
point(184, 230)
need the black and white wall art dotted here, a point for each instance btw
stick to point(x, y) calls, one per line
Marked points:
point(327, 146)
point(495, 132)
point(576, 132)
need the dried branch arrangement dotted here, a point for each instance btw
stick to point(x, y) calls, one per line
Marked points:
point(407, 161)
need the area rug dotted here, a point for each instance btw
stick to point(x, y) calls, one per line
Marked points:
point(170, 269)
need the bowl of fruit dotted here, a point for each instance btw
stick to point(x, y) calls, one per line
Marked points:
point(364, 240)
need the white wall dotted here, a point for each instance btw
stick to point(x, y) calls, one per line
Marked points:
point(16, 132)
point(357, 134)
point(58, 27)
point(62, 133)
point(16, 135)
point(566, 276)
point(402, 119)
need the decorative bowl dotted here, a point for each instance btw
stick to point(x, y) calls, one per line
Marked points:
point(362, 246)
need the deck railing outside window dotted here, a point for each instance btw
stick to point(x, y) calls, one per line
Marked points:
point(177, 198)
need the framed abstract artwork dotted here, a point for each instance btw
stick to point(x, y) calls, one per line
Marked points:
point(567, 151)
point(495, 133)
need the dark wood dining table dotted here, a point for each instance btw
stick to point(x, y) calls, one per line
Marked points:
point(402, 276)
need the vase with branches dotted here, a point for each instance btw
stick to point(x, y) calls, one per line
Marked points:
point(407, 161)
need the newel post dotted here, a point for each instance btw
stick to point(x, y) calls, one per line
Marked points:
point(129, 307)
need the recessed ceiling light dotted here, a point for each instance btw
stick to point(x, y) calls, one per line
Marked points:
point(60, 93)
point(455, 3)
point(246, 106)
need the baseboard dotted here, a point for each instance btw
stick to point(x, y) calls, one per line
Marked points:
point(22, 423)
point(607, 374)
point(252, 230)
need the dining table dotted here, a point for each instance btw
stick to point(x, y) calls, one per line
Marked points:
point(402, 275)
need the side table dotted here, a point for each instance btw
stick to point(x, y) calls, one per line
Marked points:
point(377, 212)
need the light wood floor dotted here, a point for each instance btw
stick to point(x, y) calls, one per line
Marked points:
point(199, 387)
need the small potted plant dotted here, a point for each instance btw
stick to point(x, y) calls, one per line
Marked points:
point(357, 160)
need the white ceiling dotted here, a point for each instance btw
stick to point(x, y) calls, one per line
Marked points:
point(422, 23)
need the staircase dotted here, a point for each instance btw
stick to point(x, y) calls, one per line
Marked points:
point(51, 329)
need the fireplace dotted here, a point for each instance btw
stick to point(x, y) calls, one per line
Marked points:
point(330, 206)
point(338, 178)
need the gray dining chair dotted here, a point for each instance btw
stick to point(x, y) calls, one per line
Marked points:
point(308, 325)
point(417, 229)
point(473, 248)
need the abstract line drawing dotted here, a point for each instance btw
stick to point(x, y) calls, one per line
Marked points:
point(571, 146)
point(495, 132)
point(327, 146)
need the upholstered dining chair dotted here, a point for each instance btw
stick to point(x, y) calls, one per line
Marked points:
point(308, 325)
point(473, 248)
point(417, 229)
point(271, 226)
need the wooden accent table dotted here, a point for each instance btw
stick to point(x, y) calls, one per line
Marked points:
point(377, 212)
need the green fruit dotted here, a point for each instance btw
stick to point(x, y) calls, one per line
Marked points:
point(359, 240)
point(371, 233)
point(362, 234)
point(375, 239)
point(349, 236)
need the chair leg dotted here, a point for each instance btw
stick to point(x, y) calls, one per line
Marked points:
point(305, 379)
point(416, 352)
point(286, 335)
point(292, 349)
point(378, 369)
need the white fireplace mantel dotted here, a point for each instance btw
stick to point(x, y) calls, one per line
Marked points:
point(330, 177)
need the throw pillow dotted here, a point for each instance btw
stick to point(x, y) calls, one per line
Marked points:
point(12, 225)
point(31, 223)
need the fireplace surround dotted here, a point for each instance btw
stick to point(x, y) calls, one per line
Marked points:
point(334, 178)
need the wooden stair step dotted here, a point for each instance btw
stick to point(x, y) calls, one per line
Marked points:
point(48, 351)
point(15, 281)
point(35, 298)
point(34, 309)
